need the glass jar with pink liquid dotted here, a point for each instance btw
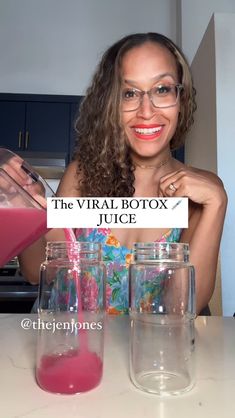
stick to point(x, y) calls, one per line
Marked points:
point(71, 318)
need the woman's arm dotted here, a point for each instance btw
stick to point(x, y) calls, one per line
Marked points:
point(208, 202)
point(32, 257)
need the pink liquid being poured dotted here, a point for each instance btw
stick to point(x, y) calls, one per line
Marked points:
point(19, 227)
point(76, 370)
point(70, 238)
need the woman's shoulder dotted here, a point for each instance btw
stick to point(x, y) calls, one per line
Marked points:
point(199, 171)
point(208, 174)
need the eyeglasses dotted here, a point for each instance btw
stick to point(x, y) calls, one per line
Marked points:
point(162, 96)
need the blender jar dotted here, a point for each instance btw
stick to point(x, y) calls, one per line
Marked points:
point(22, 207)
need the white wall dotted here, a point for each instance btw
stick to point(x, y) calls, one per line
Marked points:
point(211, 143)
point(201, 144)
point(225, 94)
point(195, 16)
point(52, 46)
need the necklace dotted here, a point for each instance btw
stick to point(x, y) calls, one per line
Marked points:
point(151, 167)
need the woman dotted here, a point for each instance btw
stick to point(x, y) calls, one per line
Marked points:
point(138, 109)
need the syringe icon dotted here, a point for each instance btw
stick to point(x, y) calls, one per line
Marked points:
point(177, 204)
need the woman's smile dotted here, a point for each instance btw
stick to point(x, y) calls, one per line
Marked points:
point(146, 132)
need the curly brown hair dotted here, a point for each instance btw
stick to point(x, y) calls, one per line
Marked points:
point(104, 160)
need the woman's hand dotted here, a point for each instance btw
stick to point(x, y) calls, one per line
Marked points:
point(199, 186)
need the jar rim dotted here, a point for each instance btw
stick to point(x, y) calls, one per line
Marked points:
point(161, 245)
point(160, 251)
point(74, 249)
point(81, 245)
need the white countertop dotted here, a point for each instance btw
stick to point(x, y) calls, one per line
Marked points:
point(116, 397)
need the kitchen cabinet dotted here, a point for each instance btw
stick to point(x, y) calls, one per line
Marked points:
point(179, 154)
point(73, 116)
point(12, 122)
point(47, 126)
point(38, 123)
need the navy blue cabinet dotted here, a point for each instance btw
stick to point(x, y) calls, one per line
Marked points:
point(12, 124)
point(38, 123)
point(179, 154)
point(73, 116)
point(47, 127)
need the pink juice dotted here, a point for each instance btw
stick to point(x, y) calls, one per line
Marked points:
point(77, 370)
point(70, 237)
point(72, 372)
point(19, 227)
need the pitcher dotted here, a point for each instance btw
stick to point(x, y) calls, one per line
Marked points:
point(22, 208)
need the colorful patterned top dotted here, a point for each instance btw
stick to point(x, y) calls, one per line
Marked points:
point(117, 259)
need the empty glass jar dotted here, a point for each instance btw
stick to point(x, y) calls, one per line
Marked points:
point(71, 313)
point(162, 310)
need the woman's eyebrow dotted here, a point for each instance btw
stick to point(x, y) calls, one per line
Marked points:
point(155, 78)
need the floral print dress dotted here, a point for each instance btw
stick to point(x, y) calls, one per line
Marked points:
point(117, 259)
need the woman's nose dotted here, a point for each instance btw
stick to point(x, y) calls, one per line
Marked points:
point(146, 109)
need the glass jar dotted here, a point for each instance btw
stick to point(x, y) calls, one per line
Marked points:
point(71, 318)
point(162, 311)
